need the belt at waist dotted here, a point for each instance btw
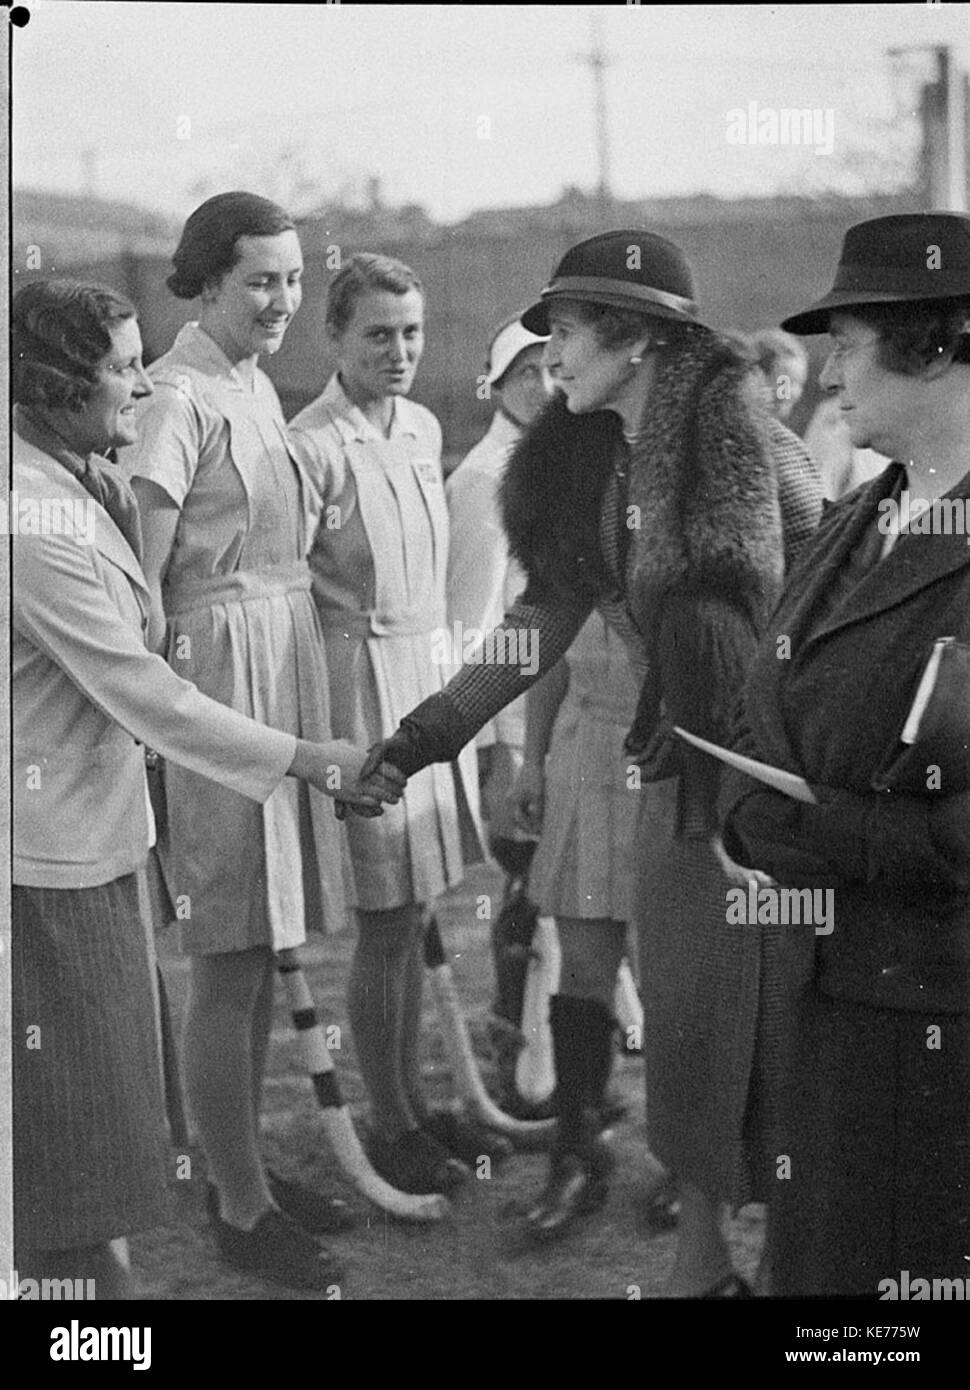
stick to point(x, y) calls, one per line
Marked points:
point(338, 622)
point(239, 587)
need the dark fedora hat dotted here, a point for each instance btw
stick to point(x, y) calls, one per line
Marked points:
point(889, 260)
point(626, 269)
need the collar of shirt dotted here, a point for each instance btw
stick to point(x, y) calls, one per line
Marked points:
point(354, 424)
point(36, 432)
point(504, 431)
point(195, 345)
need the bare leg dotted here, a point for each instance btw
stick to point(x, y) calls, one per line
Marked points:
point(376, 1007)
point(219, 1076)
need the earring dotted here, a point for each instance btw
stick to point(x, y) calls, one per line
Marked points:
point(635, 361)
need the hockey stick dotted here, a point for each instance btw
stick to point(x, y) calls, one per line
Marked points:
point(535, 1070)
point(628, 1009)
point(337, 1122)
point(468, 1079)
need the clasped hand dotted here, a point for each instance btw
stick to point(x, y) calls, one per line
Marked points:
point(375, 782)
point(357, 781)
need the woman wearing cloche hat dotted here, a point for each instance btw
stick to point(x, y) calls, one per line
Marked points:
point(648, 489)
point(877, 1128)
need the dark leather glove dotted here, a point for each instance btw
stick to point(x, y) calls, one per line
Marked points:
point(434, 732)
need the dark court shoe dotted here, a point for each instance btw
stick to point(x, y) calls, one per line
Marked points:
point(464, 1139)
point(416, 1163)
point(320, 1215)
point(276, 1248)
point(658, 1212)
point(572, 1192)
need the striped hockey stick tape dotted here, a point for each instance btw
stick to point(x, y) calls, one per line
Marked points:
point(468, 1080)
point(337, 1122)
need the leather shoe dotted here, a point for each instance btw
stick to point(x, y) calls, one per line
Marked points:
point(415, 1163)
point(464, 1139)
point(320, 1215)
point(573, 1191)
point(659, 1211)
point(276, 1248)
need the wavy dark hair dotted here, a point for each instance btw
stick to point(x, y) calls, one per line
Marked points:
point(914, 334)
point(207, 249)
point(60, 331)
point(615, 327)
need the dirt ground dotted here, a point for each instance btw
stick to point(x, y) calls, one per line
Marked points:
point(476, 1253)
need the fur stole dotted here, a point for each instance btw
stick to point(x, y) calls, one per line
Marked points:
point(701, 481)
point(551, 497)
point(706, 559)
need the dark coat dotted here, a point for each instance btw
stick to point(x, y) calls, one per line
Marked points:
point(702, 571)
point(704, 559)
point(899, 865)
point(702, 567)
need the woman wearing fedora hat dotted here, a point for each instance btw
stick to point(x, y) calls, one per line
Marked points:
point(878, 1083)
point(648, 489)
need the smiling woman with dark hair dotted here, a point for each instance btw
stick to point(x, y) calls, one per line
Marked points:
point(228, 523)
point(58, 340)
point(877, 1088)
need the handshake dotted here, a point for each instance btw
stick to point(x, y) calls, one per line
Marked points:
point(359, 782)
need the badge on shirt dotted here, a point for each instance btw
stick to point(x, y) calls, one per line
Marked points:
point(427, 470)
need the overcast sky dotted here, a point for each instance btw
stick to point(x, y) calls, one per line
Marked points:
point(455, 107)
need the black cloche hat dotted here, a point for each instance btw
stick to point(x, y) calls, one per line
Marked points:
point(889, 260)
point(628, 269)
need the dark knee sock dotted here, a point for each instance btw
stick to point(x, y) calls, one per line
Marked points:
point(582, 1037)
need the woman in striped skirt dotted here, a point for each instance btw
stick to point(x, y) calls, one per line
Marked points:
point(89, 1132)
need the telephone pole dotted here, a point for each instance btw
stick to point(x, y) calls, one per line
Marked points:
point(598, 60)
point(944, 117)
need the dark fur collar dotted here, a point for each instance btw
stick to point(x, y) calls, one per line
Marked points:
point(701, 478)
point(551, 497)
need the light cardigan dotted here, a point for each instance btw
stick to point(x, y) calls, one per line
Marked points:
point(86, 692)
